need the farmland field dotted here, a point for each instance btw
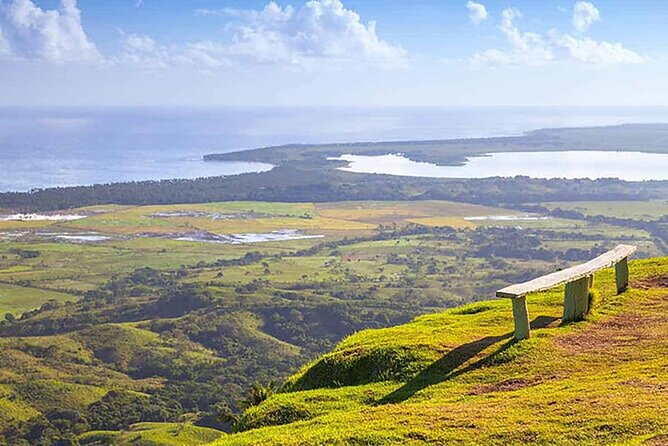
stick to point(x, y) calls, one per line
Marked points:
point(18, 300)
point(640, 210)
point(63, 259)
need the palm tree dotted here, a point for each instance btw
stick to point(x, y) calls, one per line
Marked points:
point(257, 393)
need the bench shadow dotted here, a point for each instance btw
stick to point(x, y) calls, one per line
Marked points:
point(448, 367)
point(543, 322)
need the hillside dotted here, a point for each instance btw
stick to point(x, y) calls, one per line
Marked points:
point(456, 377)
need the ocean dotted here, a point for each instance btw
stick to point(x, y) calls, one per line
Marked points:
point(50, 147)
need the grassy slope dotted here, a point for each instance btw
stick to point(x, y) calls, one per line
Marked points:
point(18, 300)
point(166, 434)
point(457, 378)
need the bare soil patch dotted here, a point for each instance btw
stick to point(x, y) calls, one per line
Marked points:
point(659, 440)
point(647, 385)
point(503, 386)
point(651, 283)
point(626, 330)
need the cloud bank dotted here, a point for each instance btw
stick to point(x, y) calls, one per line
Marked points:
point(30, 32)
point(532, 48)
point(321, 29)
point(318, 34)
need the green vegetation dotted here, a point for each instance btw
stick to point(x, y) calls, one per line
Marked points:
point(151, 434)
point(457, 377)
point(136, 326)
point(638, 210)
point(17, 300)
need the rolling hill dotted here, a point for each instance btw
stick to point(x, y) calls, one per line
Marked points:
point(458, 378)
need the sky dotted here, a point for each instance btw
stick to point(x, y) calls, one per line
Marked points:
point(333, 53)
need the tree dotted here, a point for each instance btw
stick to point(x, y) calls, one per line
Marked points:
point(258, 393)
point(9, 317)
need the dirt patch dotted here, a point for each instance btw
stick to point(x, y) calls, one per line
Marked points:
point(659, 440)
point(647, 385)
point(651, 283)
point(503, 386)
point(625, 331)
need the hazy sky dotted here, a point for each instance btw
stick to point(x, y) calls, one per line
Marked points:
point(332, 52)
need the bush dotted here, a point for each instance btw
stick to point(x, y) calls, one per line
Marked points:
point(274, 415)
point(120, 409)
point(355, 367)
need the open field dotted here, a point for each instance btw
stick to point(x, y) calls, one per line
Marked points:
point(135, 237)
point(17, 299)
point(639, 210)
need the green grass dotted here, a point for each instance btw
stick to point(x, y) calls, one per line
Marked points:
point(17, 300)
point(80, 268)
point(12, 408)
point(47, 395)
point(637, 210)
point(164, 434)
point(456, 377)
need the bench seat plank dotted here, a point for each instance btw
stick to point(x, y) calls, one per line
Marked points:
point(572, 274)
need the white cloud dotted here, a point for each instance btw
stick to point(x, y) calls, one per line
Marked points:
point(319, 30)
point(584, 15)
point(54, 35)
point(318, 34)
point(530, 48)
point(217, 12)
point(477, 12)
point(139, 43)
point(590, 51)
point(525, 47)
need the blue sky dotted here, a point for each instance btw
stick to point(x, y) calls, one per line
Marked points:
point(333, 52)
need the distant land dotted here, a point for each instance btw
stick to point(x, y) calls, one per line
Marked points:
point(650, 138)
point(303, 173)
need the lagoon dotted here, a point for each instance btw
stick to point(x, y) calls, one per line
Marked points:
point(49, 147)
point(628, 166)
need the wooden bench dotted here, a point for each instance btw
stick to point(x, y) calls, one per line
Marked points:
point(578, 279)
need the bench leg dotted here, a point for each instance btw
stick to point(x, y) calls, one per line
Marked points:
point(521, 315)
point(576, 300)
point(622, 275)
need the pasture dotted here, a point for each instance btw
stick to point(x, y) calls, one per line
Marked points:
point(636, 210)
point(61, 260)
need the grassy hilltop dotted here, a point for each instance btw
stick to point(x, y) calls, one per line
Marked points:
point(457, 378)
